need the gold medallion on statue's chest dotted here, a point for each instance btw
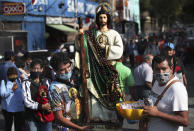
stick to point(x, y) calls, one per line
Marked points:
point(102, 39)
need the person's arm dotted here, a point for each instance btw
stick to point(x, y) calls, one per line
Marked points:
point(183, 71)
point(180, 117)
point(58, 107)
point(148, 78)
point(148, 84)
point(29, 103)
point(5, 91)
point(185, 80)
point(179, 103)
point(60, 118)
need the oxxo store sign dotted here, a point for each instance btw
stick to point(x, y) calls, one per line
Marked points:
point(14, 8)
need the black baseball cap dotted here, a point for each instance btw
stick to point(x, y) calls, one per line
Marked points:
point(8, 54)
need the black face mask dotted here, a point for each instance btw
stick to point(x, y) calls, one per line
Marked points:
point(12, 79)
point(34, 75)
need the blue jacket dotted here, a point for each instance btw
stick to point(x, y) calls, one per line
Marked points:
point(12, 101)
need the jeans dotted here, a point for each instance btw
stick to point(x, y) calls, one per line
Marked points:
point(18, 119)
point(38, 126)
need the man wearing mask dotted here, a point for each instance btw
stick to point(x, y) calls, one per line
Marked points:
point(171, 112)
point(178, 67)
point(143, 76)
point(60, 100)
point(31, 92)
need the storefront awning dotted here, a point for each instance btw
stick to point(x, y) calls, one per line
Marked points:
point(63, 28)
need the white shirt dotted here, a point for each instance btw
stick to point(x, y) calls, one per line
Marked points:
point(143, 73)
point(174, 99)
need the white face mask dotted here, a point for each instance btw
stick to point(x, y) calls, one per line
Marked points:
point(162, 78)
point(150, 64)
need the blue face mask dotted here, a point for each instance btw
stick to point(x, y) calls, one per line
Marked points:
point(66, 76)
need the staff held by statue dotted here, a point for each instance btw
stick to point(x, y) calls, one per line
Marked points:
point(83, 70)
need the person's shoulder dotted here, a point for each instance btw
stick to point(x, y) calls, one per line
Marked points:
point(178, 60)
point(54, 85)
point(26, 81)
point(138, 67)
point(9, 64)
point(46, 80)
point(146, 65)
point(122, 66)
point(113, 31)
point(177, 86)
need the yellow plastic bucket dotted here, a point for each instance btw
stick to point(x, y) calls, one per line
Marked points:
point(129, 114)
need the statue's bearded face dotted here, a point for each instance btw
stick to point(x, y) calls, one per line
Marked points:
point(103, 19)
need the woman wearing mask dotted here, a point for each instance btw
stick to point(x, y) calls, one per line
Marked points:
point(12, 101)
point(35, 91)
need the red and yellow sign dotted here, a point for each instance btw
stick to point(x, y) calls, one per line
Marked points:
point(14, 8)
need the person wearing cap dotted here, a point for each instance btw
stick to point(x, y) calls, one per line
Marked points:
point(178, 67)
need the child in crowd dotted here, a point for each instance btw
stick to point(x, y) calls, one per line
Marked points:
point(36, 100)
point(12, 101)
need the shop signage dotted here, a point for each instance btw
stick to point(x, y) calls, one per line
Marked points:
point(84, 8)
point(69, 20)
point(53, 20)
point(81, 7)
point(91, 8)
point(14, 8)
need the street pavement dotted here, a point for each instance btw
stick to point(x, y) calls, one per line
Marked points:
point(134, 127)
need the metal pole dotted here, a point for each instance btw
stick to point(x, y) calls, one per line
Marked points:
point(75, 6)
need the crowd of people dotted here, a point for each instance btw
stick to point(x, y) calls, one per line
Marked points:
point(36, 93)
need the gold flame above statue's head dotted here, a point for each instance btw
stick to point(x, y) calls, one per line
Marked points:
point(105, 8)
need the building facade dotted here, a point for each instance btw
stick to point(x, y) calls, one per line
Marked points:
point(35, 16)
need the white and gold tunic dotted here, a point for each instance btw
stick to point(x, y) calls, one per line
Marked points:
point(113, 43)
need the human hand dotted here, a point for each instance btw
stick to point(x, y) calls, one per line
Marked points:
point(86, 128)
point(46, 107)
point(81, 31)
point(102, 46)
point(15, 86)
point(150, 111)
